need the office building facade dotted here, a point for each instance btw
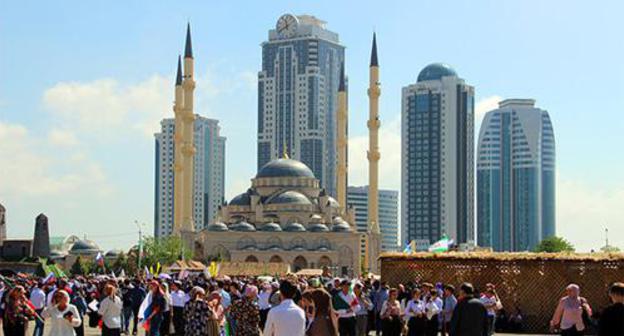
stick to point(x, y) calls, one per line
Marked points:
point(208, 177)
point(297, 95)
point(437, 173)
point(357, 197)
point(515, 177)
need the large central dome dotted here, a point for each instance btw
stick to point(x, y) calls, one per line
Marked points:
point(285, 168)
point(436, 71)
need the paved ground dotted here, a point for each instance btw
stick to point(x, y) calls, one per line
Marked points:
point(97, 332)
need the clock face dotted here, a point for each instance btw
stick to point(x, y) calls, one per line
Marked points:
point(287, 25)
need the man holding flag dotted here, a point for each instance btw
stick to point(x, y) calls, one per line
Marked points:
point(99, 260)
point(346, 305)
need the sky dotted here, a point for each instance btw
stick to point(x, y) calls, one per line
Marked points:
point(84, 85)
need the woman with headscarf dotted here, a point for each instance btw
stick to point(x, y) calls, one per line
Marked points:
point(64, 317)
point(246, 313)
point(199, 319)
point(321, 314)
point(16, 313)
point(214, 302)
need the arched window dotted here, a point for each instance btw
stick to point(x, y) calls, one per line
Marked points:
point(251, 259)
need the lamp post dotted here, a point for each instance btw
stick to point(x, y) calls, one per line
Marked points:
point(140, 244)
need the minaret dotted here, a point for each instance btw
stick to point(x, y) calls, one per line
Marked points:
point(341, 141)
point(188, 147)
point(374, 241)
point(184, 144)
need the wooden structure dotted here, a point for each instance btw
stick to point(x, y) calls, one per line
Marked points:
point(530, 282)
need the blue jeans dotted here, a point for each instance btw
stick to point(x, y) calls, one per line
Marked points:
point(126, 316)
point(38, 331)
point(155, 322)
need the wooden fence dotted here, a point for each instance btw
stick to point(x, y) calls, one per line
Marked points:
point(530, 282)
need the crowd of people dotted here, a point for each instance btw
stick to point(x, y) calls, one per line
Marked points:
point(290, 306)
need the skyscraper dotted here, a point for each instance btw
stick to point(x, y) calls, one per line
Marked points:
point(297, 95)
point(357, 197)
point(515, 177)
point(209, 174)
point(437, 145)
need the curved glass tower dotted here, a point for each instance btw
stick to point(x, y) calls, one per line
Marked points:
point(515, 177)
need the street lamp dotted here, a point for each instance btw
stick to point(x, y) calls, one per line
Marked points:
point(139, 226)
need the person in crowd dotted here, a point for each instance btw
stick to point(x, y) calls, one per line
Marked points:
point(16, 312)
point(63, 317)
point(433, 307)
point(470, 315)
point(126, 311)
point(321, 315)
point(490, 301)
point(611, 322)
point(380, 296)
point(286, 319)
point(366, 305)
point(415, 315)
point(450, 301)
point(246, 313)
point(78, 300)
point(178, 300)
point(346, 305)
point(199, 317)
point(263, 302)
point(155, 309)
point(165, 326)
point(390, 314)
point(137, 294)
point(110, 309)
point(568, 316)
point(38, 300)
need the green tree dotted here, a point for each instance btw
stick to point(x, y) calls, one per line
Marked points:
point(554, 244)
point(610, 249)
point(76, 267)
point(121, 263)
point(163, 250)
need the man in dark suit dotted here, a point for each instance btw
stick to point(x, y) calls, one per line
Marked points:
point(470, 315)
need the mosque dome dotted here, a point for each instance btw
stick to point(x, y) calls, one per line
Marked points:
point(112, 253)
point(242, 226)
point(332, 202)
point(342, 227)
point(294, 227)
point(271, 227)
point(242, 199)
point(317, 227)
point(84, 246)
point(217, 227)
point(290, 197)
point(285, 168)
point(436, 71)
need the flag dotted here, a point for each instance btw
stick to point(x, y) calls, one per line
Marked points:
point(122, 274)
point(99, 259)
point(213, 269)
point(49, 278)
point(441, 245)
point(113, 275)
point(158, 267)
point(410, 247)
point(151, 270)
point(148, 274)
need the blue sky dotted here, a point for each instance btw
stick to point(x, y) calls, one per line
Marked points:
point(84, 86)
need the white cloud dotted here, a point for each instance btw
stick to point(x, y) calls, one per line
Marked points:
point(584, 211)
point(62, 138)
point(36, 167)
point(389, 162)
point(483, 106)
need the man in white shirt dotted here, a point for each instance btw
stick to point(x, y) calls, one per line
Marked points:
point(178, 299)
point(38, 299)
point(286, 319)
point(263, 303)
point(346, 305)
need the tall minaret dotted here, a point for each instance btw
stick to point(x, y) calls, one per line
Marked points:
point(183, 140)
point(341, 141)
point(374, 241)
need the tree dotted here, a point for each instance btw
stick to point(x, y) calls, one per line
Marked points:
point(76, 268)
point(610, 249)
point(121, 263)
point(554, 244)
point(163, 250)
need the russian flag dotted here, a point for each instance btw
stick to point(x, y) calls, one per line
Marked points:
point(50, 278)
point(99, 259)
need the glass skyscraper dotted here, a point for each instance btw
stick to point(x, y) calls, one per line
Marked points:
point(357, 197)
point(209, 174)
point(515, 177)
point(437, 145)
point(297, 95)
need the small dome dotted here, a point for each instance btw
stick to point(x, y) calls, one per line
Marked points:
point(217, 227)
point(243, 226)
point(112, 253)
point(84, 245)
point(317, 227)
point(57, 254)
point(271, 227)
point(290, 197)
point(436, 71)
point(342, 227)
point(338, 220)
point(285, 168)
point(332, 202)
point(242, 199)
point(294, 227)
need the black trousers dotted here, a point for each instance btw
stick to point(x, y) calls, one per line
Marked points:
point(135, 319)
point(106, 331)
point(346, 326)
point(178, 320)
point(263, 317)
point(432, 326)
point(416, 326)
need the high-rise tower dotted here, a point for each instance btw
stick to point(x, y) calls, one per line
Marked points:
point(515, 177)
point(297, 95)
point(437, 174)
point(341, 141)
point(374, 91)
point(183, 142)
